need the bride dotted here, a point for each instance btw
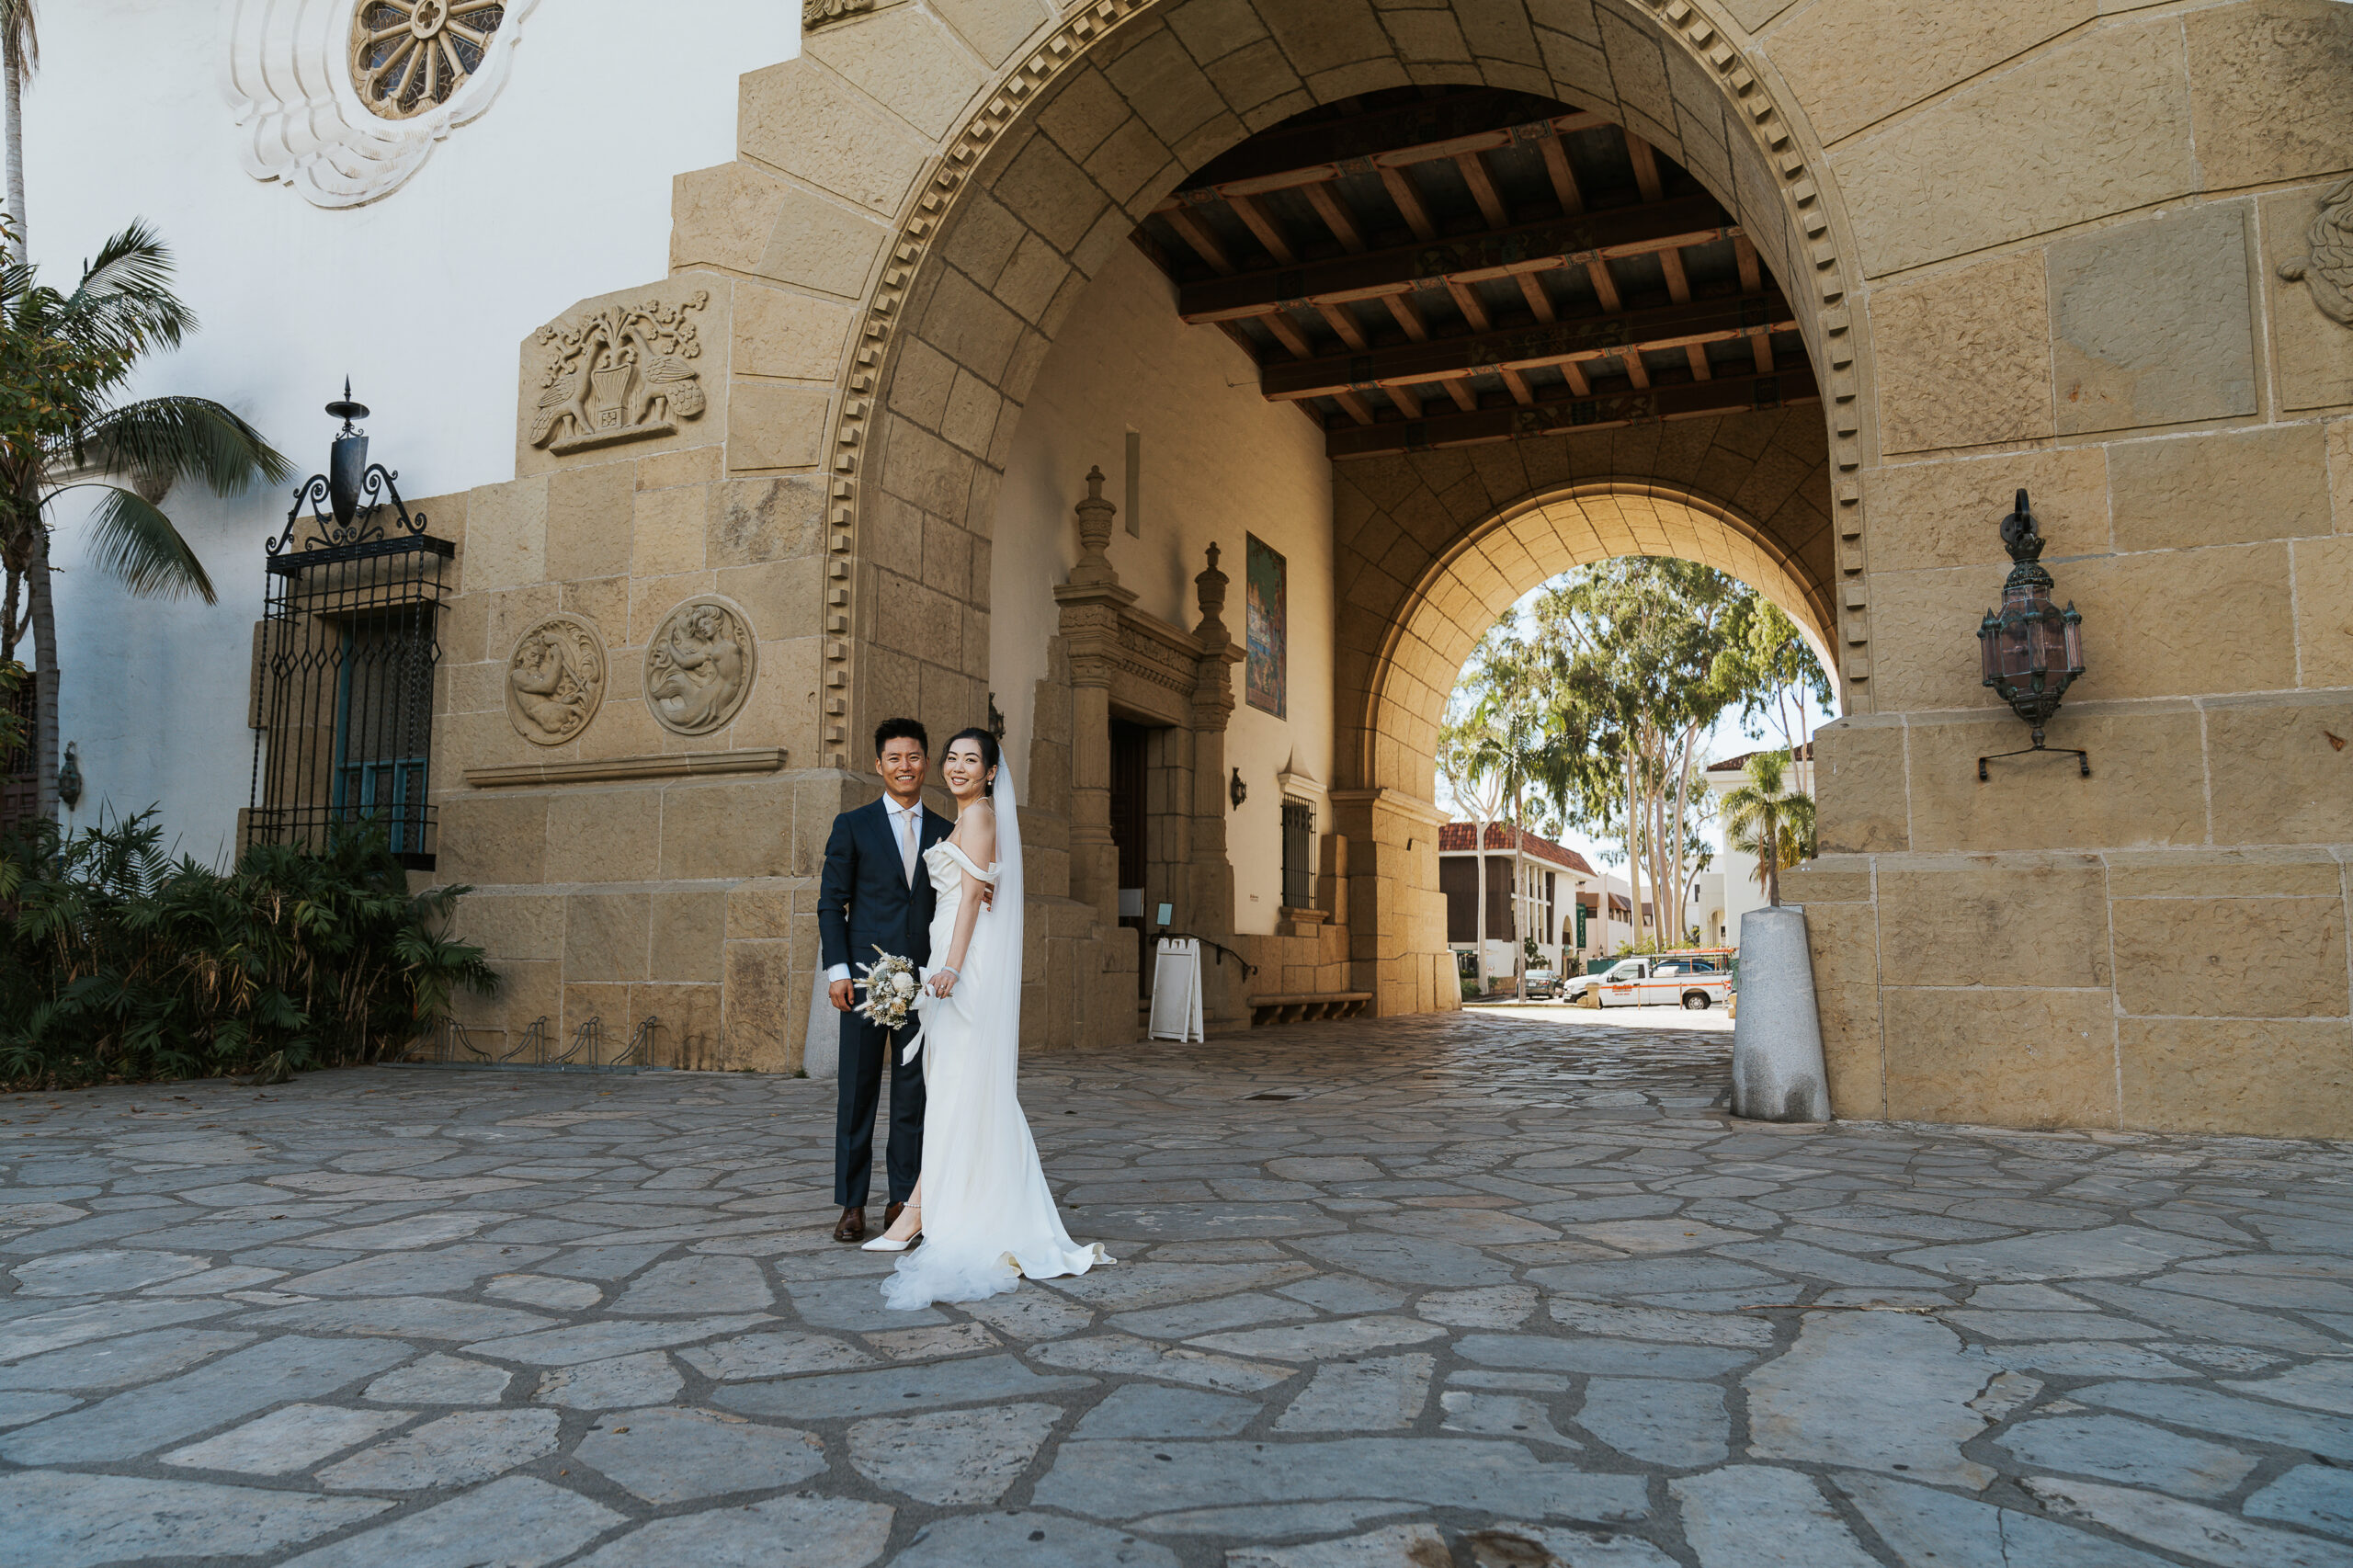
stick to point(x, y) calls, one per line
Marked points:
point(983, 1208)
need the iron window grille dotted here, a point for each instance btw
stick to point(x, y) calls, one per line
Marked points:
point(351, 640)
point(1299, 855)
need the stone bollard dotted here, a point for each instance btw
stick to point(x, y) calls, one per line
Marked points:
point(1777, 1072)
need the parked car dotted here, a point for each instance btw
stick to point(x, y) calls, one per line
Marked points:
point(1697, 980)
point(1541, 981)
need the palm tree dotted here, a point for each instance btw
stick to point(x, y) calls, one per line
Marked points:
point(1767, 819)
point(65, 425)
point(20, 57)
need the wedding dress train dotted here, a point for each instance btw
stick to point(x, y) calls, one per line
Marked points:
point(988, 1217)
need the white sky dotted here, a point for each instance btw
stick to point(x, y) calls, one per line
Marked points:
point(1727, 739)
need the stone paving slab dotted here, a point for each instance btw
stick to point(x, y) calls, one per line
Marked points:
point(1500, 1290)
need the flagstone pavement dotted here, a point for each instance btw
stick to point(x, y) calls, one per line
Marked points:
point(1487, 1291)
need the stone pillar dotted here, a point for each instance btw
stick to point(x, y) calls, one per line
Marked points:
point(1091, 602)
point(1225, 992)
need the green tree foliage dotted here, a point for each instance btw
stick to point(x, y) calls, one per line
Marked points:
point(119, 963)
point(1768, 818)
point(1588, 711)
point(67, 423)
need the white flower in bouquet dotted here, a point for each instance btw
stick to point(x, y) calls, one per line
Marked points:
point(889, 985)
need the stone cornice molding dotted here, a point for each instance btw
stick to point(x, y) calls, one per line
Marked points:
point(301, 120)
point(662, 765)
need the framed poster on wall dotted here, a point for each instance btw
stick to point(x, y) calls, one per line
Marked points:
point(1264, 680)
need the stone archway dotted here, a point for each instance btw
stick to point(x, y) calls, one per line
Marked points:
point(919, 200)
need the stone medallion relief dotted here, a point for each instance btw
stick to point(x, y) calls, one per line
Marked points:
point(699, 669)
point(344, 101)
point(2327, 265)
point(555, 678)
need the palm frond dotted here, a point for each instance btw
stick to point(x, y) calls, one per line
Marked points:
point(182, 438)
point(18, 36)
point(125, 298)
point(134, 541)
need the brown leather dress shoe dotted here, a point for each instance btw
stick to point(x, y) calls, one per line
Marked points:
point(852, 1226)
point(891, 1215)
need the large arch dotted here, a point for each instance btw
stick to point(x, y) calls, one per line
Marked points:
point(1412, 605)
point(1091, 125)
point(2126, 329)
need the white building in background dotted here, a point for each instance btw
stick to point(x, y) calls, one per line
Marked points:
point(1534, 888)
point(1740, 890)
point(316, 240)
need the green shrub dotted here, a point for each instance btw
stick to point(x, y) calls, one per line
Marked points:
point(118, 963)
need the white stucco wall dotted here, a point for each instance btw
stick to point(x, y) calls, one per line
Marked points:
point(1217, 462)
point(560, 191)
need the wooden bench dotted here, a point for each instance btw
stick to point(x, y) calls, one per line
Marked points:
point(1296, 1008)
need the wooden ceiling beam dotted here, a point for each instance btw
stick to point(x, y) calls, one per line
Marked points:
point(1336, 218)
point(1262, 228)
point(1694, 400)
point(1267, 169)
point(1576, 340)
point(1400, 185)
point(1591, 239)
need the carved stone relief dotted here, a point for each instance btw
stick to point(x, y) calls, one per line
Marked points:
point(699, 665)
point(626, 374)
point(555, 678)
point(2327, 268)
point(818, 13)
point(344, 102)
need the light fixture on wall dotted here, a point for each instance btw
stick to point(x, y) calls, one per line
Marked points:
point(2031, 651)
point(69, 778)
point(1237, 791)
point(350, 479)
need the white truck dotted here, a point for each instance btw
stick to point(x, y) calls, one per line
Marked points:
point(1697, 979)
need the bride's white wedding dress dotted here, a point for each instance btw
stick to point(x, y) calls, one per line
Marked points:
point(988, 1216)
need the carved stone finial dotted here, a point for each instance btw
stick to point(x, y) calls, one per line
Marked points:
point(1094, 515)
point(1209, 588)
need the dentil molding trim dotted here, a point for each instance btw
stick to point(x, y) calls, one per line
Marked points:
point(290, 78)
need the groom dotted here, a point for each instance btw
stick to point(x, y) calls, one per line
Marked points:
point(876, 893)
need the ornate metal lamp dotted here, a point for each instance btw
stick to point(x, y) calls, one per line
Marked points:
point(2031, 650)
point(350, 481)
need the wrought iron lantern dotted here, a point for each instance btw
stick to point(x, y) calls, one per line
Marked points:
point(350, 481)
point(2031, 651)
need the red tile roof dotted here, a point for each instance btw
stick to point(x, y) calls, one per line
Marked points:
point(1456, 837)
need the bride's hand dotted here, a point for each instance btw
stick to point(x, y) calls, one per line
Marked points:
point(942, 983)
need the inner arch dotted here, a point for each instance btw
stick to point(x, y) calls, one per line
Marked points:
point(1465, 591)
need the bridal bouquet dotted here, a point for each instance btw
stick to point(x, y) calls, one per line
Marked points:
point(890, 984)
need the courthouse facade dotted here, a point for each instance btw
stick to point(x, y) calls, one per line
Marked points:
point(1185, 384)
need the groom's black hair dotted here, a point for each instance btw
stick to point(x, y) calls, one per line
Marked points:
point(987, 743)
point(890, 729)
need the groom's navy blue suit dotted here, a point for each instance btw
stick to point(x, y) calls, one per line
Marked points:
point(866, 901)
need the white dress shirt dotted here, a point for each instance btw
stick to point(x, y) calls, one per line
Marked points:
point(906, 828)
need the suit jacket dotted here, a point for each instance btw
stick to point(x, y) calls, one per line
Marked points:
point(864, 899)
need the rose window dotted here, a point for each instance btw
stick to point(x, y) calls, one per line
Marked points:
point(408, 56)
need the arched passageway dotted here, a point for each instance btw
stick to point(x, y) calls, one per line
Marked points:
point(2129, 329)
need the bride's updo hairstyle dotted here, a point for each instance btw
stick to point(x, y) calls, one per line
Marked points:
point(987, 743)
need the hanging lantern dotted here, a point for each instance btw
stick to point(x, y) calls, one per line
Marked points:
point(2031, 651)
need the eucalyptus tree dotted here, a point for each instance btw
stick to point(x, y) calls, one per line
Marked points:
point(1636, 641)
point(1767, 662)
point(68, 422)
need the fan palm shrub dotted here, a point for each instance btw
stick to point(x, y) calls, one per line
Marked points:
point(67, 423)
point(119, 963)
point(1769, 819)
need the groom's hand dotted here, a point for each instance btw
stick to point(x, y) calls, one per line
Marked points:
point(841, 996)
point(988, 895)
